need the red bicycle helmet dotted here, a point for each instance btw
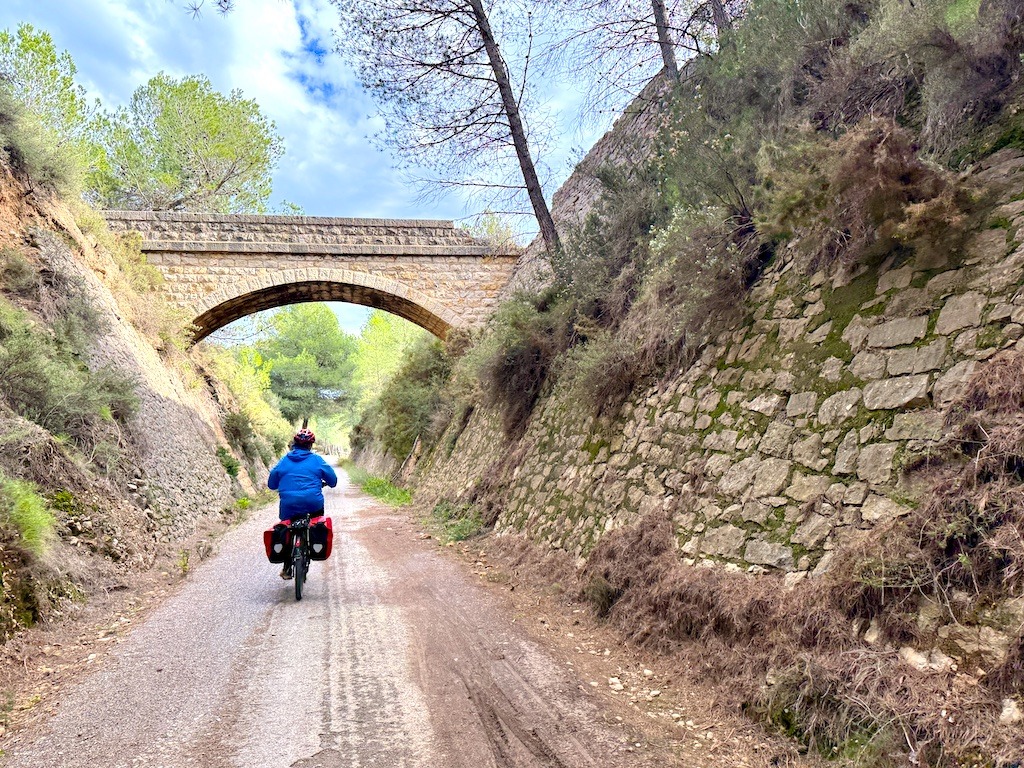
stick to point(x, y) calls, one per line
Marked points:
point(304, 436)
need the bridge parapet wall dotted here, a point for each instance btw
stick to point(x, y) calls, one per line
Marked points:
point(198, 228)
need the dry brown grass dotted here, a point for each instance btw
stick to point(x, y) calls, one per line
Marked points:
point(861, 197)
point(797, 658)
point(971, 526)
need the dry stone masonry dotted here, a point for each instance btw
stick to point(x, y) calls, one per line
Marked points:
point(790, 434)
point(223, 267)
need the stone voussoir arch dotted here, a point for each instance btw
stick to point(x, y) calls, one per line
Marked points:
point(290, 286)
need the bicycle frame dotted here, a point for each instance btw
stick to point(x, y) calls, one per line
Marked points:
point(299, 529)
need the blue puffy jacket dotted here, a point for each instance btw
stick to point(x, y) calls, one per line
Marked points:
point(297, 478)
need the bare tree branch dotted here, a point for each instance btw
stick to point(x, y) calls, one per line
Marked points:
point(444, 86)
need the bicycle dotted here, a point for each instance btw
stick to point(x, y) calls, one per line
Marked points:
point(299, 528)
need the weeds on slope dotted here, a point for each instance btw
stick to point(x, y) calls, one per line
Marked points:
point(24, 510)
point(43, 379)
point(795, 658)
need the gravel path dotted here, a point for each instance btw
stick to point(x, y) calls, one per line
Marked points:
point(393, 658)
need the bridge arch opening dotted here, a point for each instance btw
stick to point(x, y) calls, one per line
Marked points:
point(280, 289)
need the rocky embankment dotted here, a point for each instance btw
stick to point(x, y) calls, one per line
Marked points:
point(112, 513)
point(792, 431)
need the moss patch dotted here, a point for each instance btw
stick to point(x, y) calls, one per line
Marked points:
point(843, 303)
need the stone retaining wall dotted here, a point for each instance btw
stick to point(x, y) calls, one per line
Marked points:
point(178, 479)
point(626, 145)
point(790, 434)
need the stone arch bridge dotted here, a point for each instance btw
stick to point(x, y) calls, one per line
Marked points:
point(224, 267)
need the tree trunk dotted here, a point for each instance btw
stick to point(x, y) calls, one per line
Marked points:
point(515, 122)
point(668, 51)
point(722, 21)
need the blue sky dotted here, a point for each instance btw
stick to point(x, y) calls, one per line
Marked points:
point(278, 52)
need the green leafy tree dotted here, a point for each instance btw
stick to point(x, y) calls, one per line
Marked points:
point(180, 145)
point(247, 375)
point(493, 227)
point(43, 81)
point(380, 350)
point(310, 361)
point(406, 407)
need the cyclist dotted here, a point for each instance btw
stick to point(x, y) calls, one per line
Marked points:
point(298, 478)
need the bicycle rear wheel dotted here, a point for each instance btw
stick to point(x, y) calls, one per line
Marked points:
point(299, 567)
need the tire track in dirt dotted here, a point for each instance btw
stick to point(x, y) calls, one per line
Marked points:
point(490, 688)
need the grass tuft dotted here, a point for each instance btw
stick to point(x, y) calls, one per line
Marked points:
point(23, 508)
point(455, 522)
point(379, 487)
point(230, 463)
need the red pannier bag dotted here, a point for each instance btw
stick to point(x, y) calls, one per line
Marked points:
point(277, 543)
point(321, 538)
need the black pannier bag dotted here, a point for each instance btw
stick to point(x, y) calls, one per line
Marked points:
point(321, 538)
point(277, 541)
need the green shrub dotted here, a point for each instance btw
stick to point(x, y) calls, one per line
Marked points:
point(230, 463)
point(22, 508)
point(63, 501)
point(954, 66)
point(601, 264)
point(36, 151)
point(17, 275)
point(699, 274)
point(516, 354)
point(406, 407)
point(74, 321)
point(455, 522)
point(601, 595)
point(238, 428)
point(243, 437)
point(257, 429)
point(43, 379)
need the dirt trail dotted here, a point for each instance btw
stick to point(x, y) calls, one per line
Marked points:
point(393, 658)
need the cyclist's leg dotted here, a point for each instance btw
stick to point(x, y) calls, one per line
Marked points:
point(286, 567)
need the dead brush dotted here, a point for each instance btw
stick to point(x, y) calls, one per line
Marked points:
point(1008, 680)
point(974, 517)
point(514, 361)
point(527, 561)
point(693, 290)
point(796, 658)
point(861, 197)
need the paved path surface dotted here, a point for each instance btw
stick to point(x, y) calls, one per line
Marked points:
point(393, 658)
